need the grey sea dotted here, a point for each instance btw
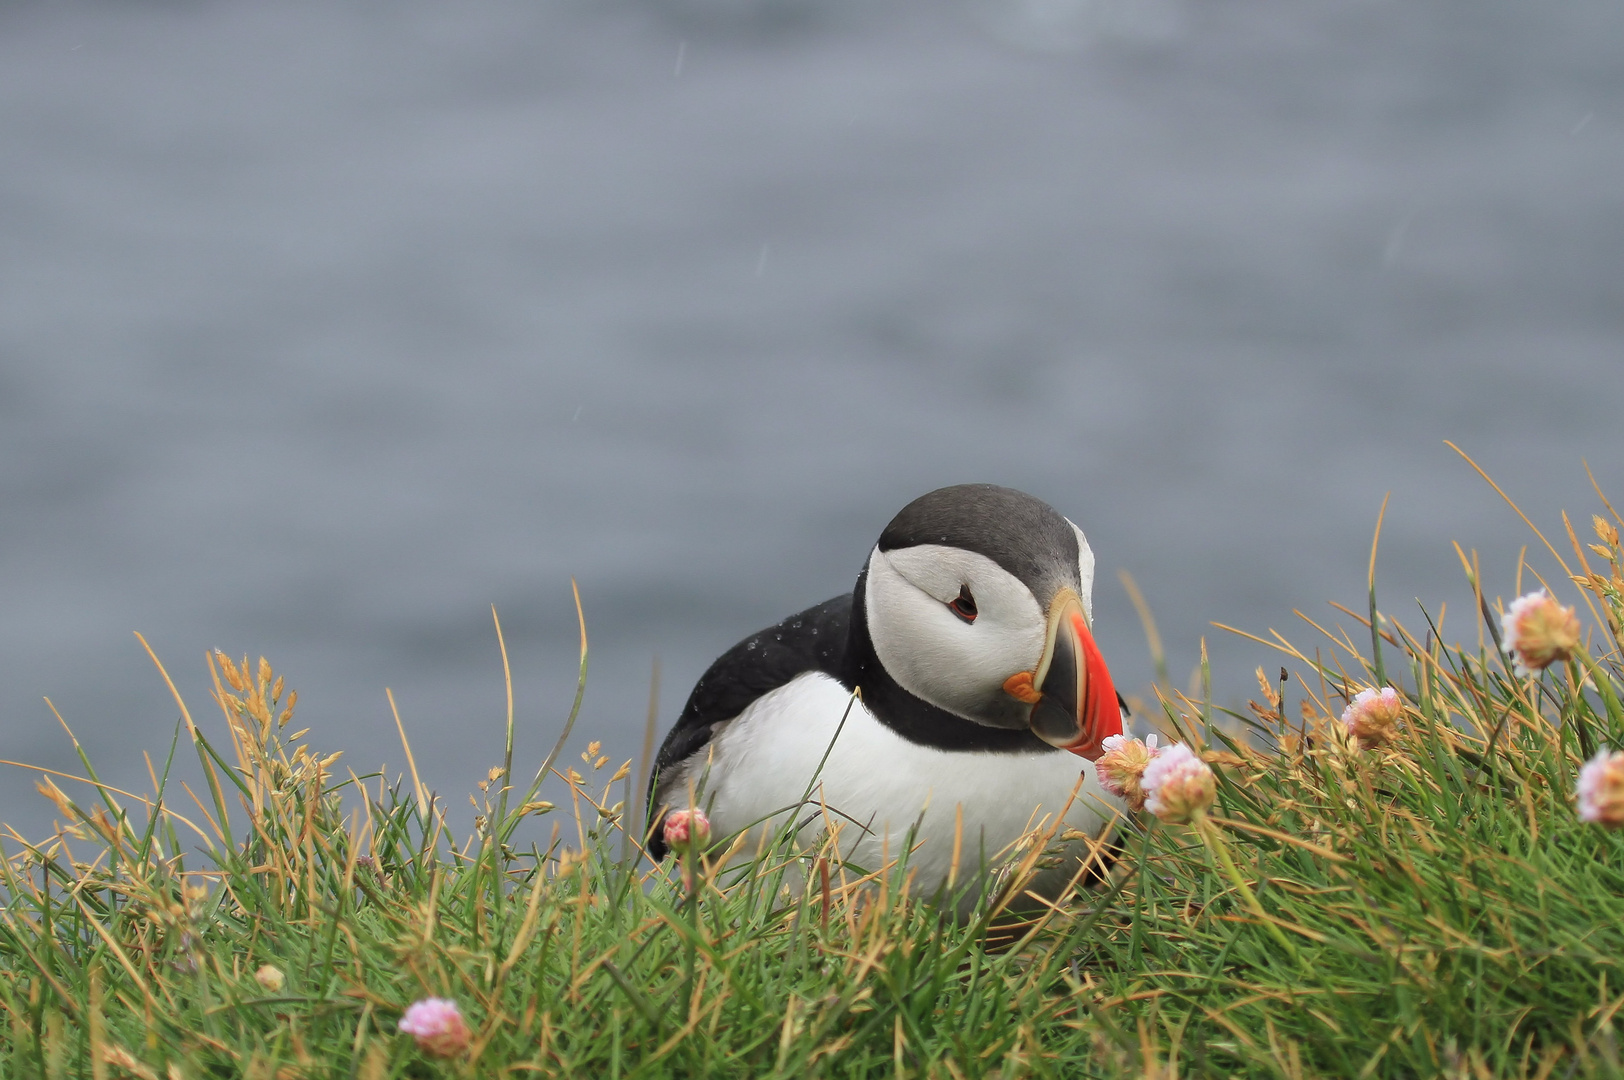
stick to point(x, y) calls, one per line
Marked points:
point(326, 327)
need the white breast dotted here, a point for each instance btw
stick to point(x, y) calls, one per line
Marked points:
point(880, 785)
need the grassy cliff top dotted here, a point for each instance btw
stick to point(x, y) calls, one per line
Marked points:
point(1420, 900)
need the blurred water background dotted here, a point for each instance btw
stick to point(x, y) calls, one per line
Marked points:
point(323, 327)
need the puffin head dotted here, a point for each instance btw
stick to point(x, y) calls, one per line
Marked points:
point(978, 601)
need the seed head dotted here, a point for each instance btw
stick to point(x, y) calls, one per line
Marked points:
point(437, 1025)
point(1601, 789)
point(1178, 785)
point(1538, 631)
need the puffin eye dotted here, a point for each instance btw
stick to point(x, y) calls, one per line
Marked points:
point(965, 606)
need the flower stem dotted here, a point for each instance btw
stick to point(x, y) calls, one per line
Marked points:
point(1604, 683)
point(1215, 843)
point(691, 865)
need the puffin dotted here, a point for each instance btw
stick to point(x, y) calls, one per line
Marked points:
point(941, 710)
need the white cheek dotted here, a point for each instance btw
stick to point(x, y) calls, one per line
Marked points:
point(932, 653)
point(1085, 572)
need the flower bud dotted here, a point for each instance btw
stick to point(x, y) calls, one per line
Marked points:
point(271, 978)
point(1601, 789)
point(1121, 768)
point(1538, 631)
point(436, 1024)
point(1372, 716)
point(1178, 785)
point(685, 829)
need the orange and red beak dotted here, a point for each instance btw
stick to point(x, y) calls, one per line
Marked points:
point(1074, 702)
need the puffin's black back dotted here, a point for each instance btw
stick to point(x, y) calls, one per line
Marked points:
point(813, 640)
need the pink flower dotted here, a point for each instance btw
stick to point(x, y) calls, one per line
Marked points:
point(1538, 631)
point(1601, 789)
point(1372, 716)
point(1121, 768)
point(684, 828)
point(1178, 785)
point(437, 1025)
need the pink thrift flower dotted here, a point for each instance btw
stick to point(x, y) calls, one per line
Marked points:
point(1121, 768)
point(1178, 785)
point(1601, 789)
point(1538, 631)
point(1372, 716)
point(437, 1025)
point(685, 828)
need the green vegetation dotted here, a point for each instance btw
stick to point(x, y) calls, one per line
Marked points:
point(1428, 906)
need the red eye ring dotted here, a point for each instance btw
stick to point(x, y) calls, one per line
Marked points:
point(965, 606)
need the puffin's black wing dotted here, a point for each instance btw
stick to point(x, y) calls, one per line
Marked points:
point(813, 640)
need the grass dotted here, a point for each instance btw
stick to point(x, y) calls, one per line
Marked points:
point(1433, 907)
